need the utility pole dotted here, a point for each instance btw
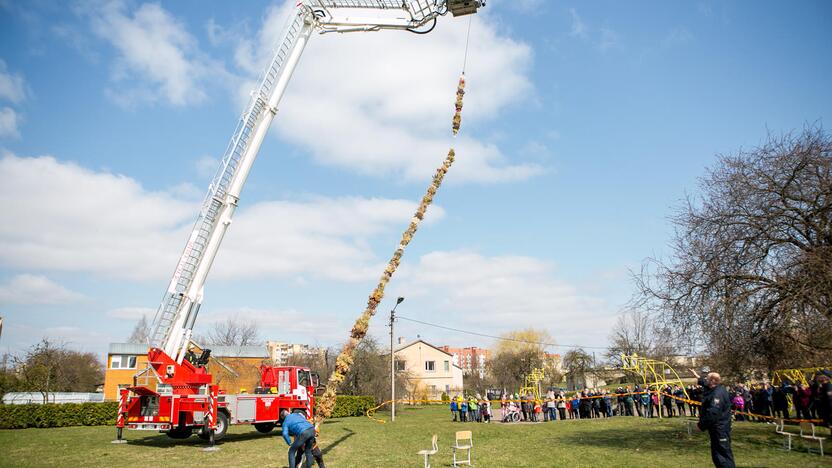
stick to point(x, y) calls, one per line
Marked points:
point(393, 362)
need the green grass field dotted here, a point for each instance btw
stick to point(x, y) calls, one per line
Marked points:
point(360, 442)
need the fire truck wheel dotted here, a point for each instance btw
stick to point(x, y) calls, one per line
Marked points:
point(222, 425)
point(222, 428)
point(265, 428)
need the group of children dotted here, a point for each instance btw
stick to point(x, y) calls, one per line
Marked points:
point(474, 408)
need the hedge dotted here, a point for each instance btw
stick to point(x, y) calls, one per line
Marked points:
point(58, 415)
point(104, 414)
point(348, 405)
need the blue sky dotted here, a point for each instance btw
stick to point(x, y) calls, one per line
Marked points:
point(584, 125)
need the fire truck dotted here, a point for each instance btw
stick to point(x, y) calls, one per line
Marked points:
point(175, 394)
point(184, 399)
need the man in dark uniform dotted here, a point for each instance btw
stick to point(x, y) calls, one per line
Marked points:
point(715, 417)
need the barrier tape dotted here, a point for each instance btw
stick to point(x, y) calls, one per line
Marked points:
point(370, 412)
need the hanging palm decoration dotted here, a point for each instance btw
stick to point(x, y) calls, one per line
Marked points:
point(326, 403)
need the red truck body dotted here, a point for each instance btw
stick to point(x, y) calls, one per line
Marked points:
point(185, 401)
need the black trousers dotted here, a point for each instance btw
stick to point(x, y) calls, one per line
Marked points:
point(305, 441)
point(721, 453)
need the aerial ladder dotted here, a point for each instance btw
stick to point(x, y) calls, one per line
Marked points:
point(170, 338)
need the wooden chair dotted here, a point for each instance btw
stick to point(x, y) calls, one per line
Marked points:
point(464, 441)
point(780, 428)
point(807, 433)
point(427, 453)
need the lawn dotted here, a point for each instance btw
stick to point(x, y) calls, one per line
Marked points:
point(360, 442)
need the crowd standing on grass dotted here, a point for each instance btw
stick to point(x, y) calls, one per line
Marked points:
point(764, 401)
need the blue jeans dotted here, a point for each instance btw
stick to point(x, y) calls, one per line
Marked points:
point(306, 439)
point(552, 414)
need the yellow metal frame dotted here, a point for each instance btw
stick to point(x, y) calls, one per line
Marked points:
point(652, 372)
point(795, 376)
point(532, 384)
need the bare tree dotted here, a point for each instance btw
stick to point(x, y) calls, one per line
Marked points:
point(637, 332)
point(141, 332)
point(751, 268)
point(233, 331)
point(577, 364)
point(516, 355)
point(48, 367)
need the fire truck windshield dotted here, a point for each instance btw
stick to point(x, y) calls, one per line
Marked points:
point(304, 379)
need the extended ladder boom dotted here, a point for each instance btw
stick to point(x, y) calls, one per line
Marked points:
point(177, 313)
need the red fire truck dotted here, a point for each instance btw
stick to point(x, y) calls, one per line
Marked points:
point(185, 402)
point(177, 395)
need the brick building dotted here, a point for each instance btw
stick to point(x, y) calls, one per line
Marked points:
point(471, 359)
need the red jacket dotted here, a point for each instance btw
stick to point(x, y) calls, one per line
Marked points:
point(802, 397)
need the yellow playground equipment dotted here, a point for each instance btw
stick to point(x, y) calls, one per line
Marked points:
point(795, 376)
point(652, 372)
point(532, 384)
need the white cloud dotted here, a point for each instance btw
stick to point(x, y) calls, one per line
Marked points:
point(154, 46)
point(206, 166)
point(494, 294)
point(608, 39)
point(381, 103)
point(131, 313)
point(12, 85)
point(282, 325)
point(35, 289)
point(322, 236)
point(18, 337)
point(578, 26)
point(604, 38)
point(63, 217)
point(9, 123)
point(68, 218)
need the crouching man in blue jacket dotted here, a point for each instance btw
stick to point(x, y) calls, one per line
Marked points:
point(297, 426)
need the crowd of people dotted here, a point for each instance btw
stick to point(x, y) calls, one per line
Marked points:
point(584, 404)
point(471, 408)
point(763, 400)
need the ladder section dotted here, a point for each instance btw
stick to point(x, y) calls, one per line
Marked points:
point(171, 306)
point(418, 9)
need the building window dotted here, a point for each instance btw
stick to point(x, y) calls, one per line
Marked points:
point(122, 361)
point(430, 366)
point(401, 366)
point(447, 388)
point(447, 366)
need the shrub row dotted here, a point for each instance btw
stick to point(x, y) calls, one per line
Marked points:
point(348, 405)
point(104, 414)
point(58, 415)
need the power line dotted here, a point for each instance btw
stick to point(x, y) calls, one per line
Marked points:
point(499, 337)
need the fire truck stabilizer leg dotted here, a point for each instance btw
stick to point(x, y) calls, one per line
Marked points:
point(119, 440)
point(211, 447)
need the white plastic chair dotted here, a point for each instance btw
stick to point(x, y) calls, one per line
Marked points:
point(432, 451)
point(464, 441)
point(807, 433)
point(780, 428)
